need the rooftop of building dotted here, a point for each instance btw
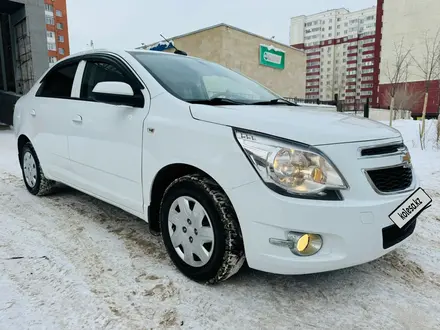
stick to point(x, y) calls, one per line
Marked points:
point(344, 10)
point(272, 41)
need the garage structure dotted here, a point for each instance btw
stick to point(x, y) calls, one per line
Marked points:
point(277, 66)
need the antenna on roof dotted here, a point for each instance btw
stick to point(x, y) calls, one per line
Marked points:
point(177, 51)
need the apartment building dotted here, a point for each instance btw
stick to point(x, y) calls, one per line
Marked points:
point(340, 48)
point(406, 23)
point(57, 30)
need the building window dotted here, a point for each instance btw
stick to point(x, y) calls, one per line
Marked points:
point(51, 46)
point(330, 28)
point(61, 51)
point(48, 7)
point(52, 59)
point(59, 13)
point(50, 20)
point(60, 26)
point(50, 35)
point(61, 38)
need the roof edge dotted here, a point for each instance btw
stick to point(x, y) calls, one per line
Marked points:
point(228, 26)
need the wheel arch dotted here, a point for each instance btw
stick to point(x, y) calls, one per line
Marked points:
point(163, 178)
point(21, 141)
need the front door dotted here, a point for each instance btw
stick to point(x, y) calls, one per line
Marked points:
point(106, 142)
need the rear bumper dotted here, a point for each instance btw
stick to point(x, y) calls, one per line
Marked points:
point(353, 231)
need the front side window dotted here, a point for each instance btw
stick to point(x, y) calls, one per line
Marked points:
point(193, 79)
point(97, 72)
point(58, 82)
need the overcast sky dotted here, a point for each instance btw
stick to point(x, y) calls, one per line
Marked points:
point(128, 23)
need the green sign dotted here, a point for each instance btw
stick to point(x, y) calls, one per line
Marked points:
point(271, 56)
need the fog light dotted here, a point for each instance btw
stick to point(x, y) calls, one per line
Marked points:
point(304, 244)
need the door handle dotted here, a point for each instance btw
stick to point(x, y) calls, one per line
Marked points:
point(77, 119)
point(33, 113)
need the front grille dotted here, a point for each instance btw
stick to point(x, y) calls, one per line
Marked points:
point(383, 150)
point(391, 179)
point(393, 235)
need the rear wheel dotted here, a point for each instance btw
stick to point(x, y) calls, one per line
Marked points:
point(200, 230)
point(33, 176)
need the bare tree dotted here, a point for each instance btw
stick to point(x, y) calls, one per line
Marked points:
point(397, 72)
point(428, 66)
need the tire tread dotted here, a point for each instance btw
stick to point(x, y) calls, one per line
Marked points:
point(234, 256)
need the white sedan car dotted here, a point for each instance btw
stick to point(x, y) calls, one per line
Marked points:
point(224, 168)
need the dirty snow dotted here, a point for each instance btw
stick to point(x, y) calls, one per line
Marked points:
point(85, 264)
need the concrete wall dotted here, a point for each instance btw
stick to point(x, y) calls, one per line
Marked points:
point(408, 22)
point(33, 12)
point(206, 44)
point(37, 32)
point(240, 51)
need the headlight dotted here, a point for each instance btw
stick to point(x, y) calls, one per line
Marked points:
point(295, 168)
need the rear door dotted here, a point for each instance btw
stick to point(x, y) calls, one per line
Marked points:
point(49, 115)
point(105, 143)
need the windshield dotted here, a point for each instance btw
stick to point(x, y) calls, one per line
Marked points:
point(193, 79)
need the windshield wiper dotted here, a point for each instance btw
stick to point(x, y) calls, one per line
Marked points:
point(275, 101)
point(217, 101)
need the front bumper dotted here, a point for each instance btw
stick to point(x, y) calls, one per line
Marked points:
point(352, 229)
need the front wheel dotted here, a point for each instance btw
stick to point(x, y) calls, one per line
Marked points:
point(200, 230)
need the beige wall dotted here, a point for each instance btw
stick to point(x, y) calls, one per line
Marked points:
point(207, 44)
point(240, 51)
point(408, 20)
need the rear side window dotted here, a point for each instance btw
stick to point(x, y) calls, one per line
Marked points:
point(59, 82)
point(97, 72)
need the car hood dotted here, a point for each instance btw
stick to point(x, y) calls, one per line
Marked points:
point(311, 125)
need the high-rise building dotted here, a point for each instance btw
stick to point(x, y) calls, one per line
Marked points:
point(405, 25)
point(340, 48)
point(57, 30)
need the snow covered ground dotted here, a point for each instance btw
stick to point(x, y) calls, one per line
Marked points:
point(85, 264)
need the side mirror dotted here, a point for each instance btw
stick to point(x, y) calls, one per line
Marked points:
point(113, 88)
point(118, 93)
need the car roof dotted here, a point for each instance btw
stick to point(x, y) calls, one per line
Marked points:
point(122, 52)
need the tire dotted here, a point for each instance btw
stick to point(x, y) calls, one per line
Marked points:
point(40, 185)
point(226, 252)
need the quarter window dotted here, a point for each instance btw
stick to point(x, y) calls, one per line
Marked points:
point(58, 83)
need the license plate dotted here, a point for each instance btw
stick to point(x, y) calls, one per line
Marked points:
point(410, 208)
